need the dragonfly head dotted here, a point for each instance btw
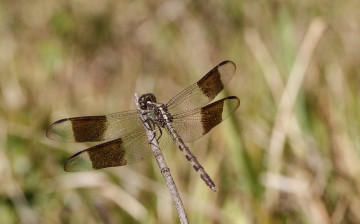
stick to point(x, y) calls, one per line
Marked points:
point(146, 98)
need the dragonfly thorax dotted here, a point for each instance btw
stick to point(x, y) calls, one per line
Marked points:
point(157, 112)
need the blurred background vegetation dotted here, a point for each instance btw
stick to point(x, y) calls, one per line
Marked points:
point(289, 154)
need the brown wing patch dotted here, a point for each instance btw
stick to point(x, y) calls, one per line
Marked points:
point(211, 115)
point(109, 155)
point(211, 83)
point(81, 131)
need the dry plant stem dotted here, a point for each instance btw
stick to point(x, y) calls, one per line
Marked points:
point(165, 171)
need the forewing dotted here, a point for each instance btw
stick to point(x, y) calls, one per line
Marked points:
point(203, 91)
point(194, 124)
point(95, 128)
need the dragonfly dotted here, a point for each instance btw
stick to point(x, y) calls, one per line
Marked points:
point(185, 118)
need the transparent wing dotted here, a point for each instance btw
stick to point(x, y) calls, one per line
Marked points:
point(194, 124)
point(95, 128)
point(203, 91)
point(119, 152)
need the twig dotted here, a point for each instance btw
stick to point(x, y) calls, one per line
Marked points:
point(165, 171)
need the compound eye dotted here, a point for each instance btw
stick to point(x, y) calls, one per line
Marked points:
point(142, 102)
point(145, 98)
point(151, 97)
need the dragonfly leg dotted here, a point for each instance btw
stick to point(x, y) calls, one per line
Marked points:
point(160, 133)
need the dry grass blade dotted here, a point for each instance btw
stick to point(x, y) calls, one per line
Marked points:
point(287, 102)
